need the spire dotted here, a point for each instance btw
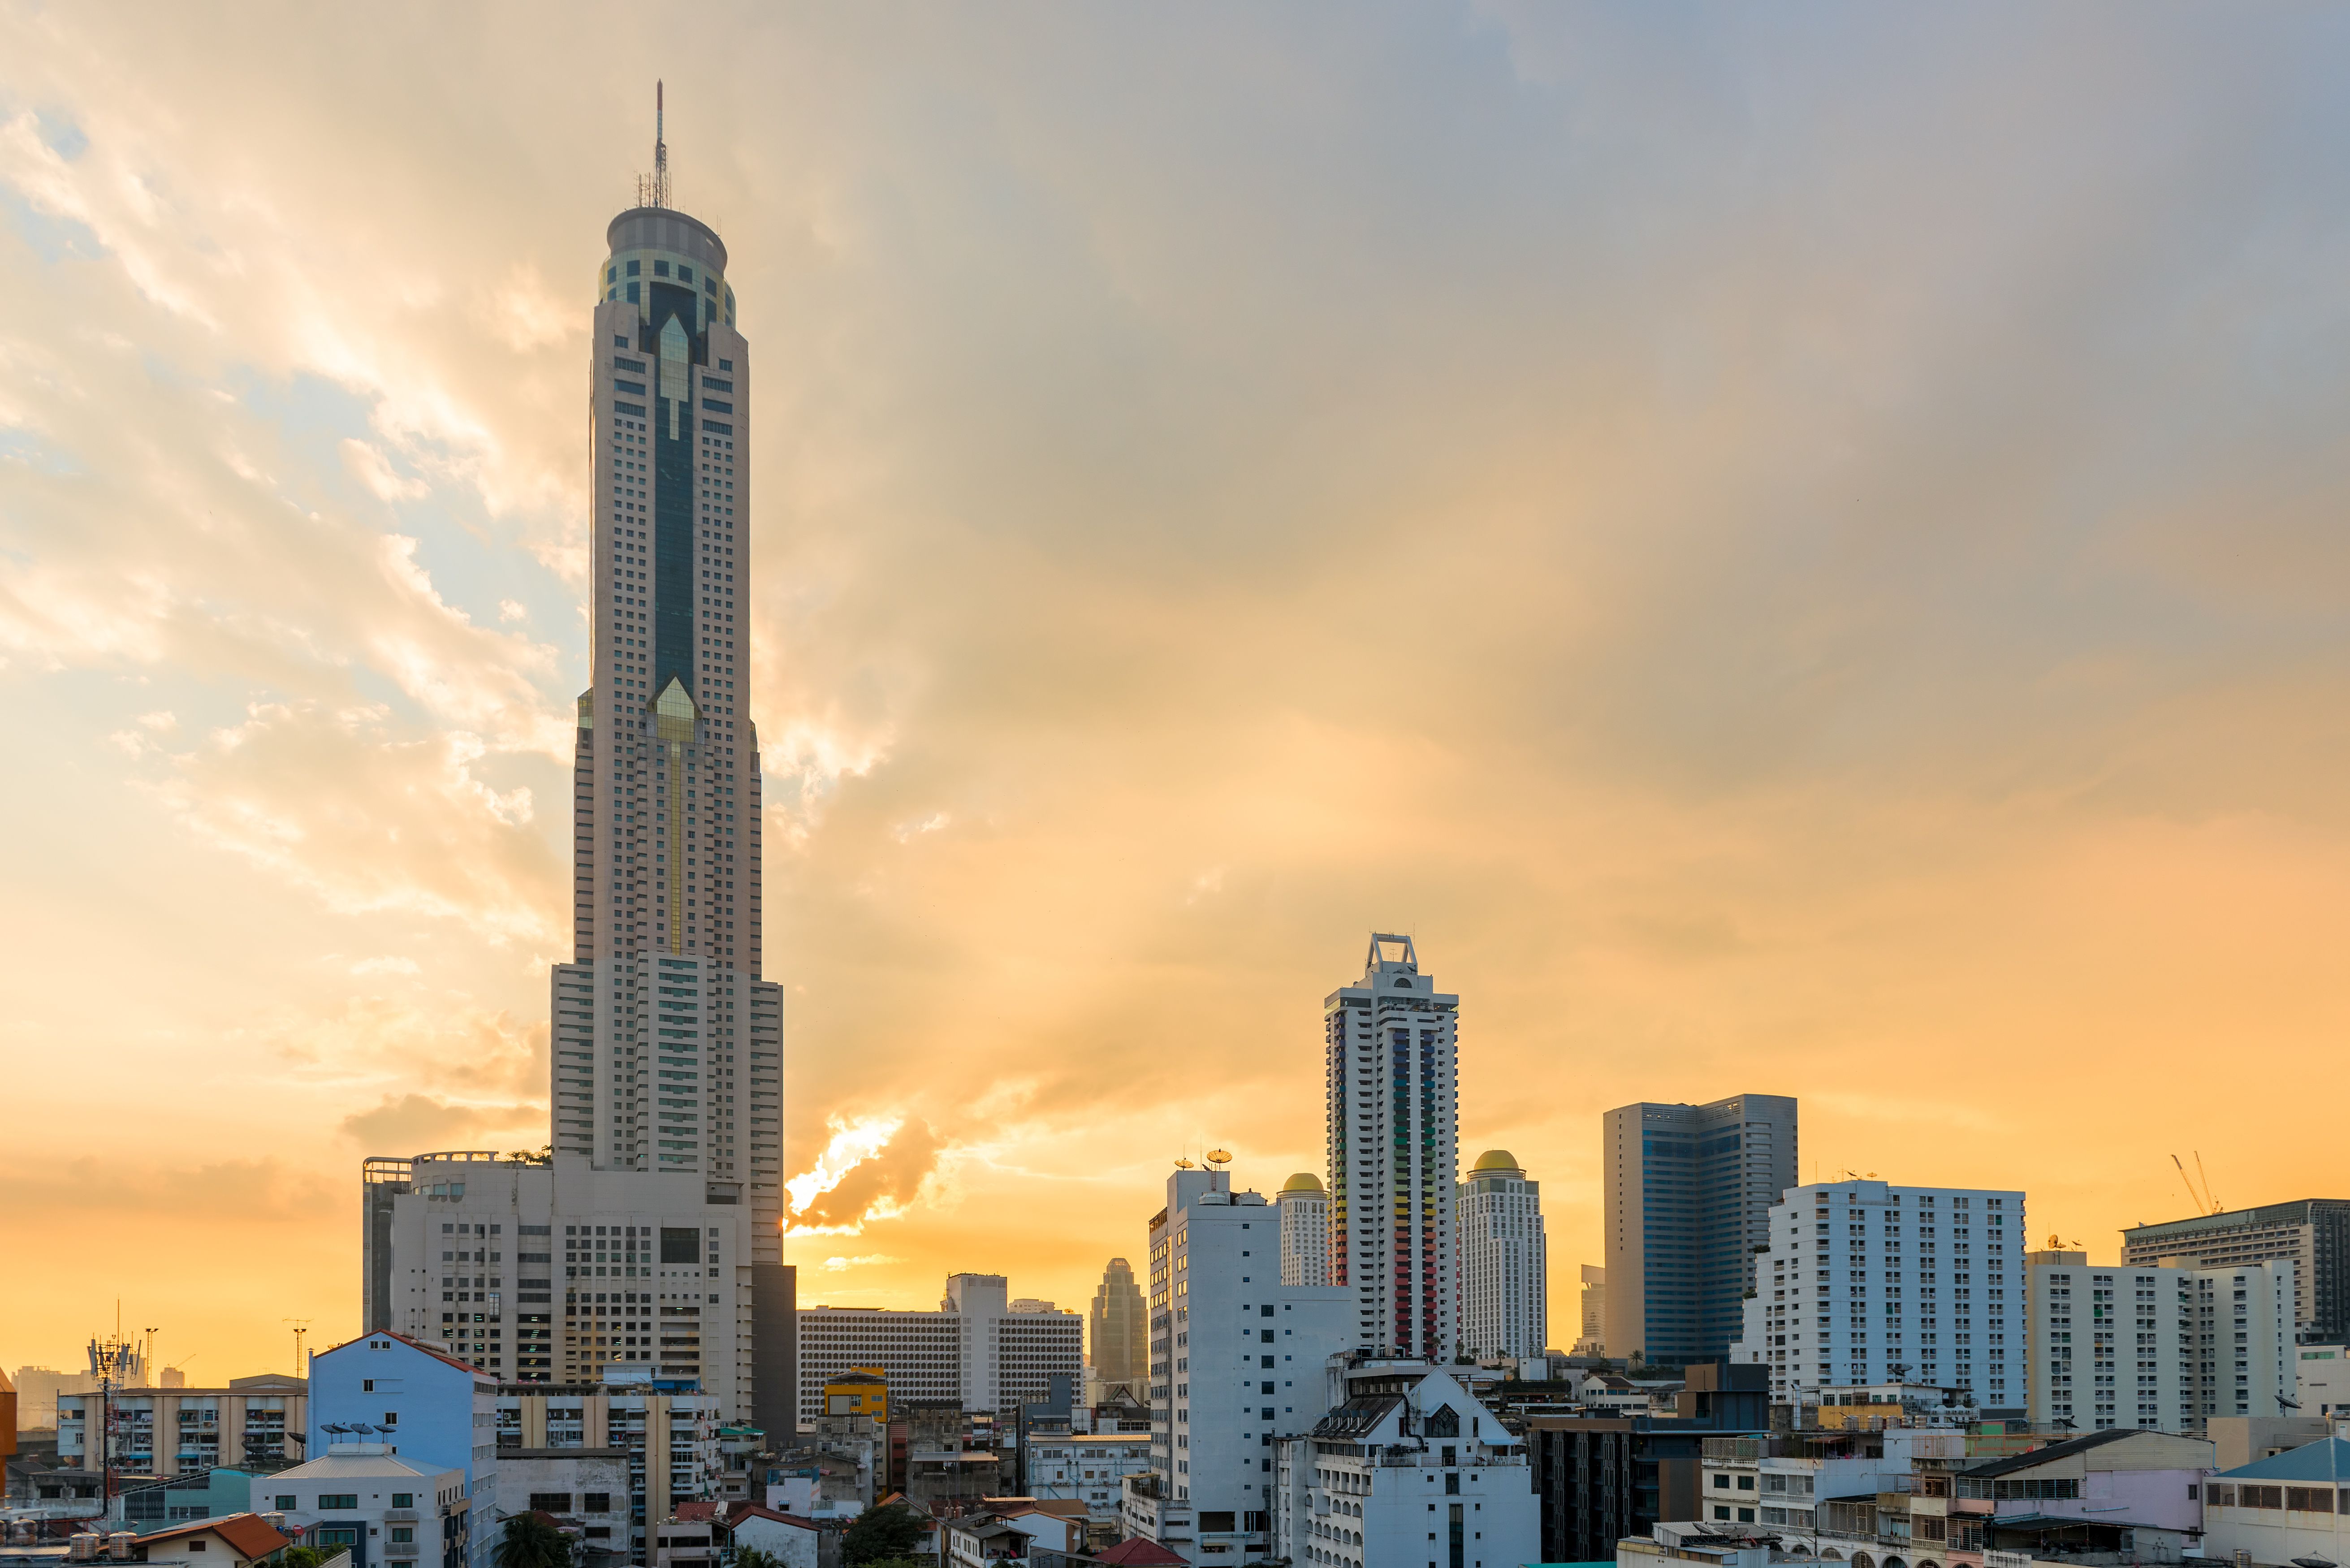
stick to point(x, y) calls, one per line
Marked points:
point(652, 189)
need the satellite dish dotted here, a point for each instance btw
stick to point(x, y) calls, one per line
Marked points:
point(1185, 1165)
point(1220, 1157)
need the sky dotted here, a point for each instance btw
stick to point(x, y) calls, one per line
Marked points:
point(1797, 550)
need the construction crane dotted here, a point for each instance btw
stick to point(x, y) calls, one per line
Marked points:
point(2205, 1202)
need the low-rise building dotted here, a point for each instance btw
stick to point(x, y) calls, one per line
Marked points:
point(1086, 1468)
point(1014, 1531)
point(1406, 1467)
point(2292, 1507)
point(387, 1511)
point(586, 1491)
point(253, 1423)
point(2323, 1372)
point(238, 1541)
point(792, 1540)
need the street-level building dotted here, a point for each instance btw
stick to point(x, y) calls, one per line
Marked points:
point(1391, 1047)
point(1687, 1192)
point(2153, 1345)
point(1406, 1467)
point(2287, 1508)
point(1504, 1260)
point(1086, 1468)
point(1237, 1362)
point(2312, 1234)
point(1866, 1283)
point(386, 1510)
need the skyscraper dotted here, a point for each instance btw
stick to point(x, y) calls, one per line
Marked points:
point(1688, 1192)
point(1304, 1207)
point(1116, 1339)
point(667, 1066)
point(1504, 1260)
point(1390, 1043)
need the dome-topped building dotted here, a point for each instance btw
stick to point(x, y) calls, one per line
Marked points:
point(1305, 1208)
point(1498, 1159)
point(1504, 1260)
point(1304, 1181)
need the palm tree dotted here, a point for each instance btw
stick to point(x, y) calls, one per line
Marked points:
point(530, 1541)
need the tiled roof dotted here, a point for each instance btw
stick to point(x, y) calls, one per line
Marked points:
point(245, 1531)
point(1139, 1552)
point(2326, 1460)
point(467, 1367)
point(737, 1512)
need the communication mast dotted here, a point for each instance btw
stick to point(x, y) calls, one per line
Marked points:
point(115, 1364)
point(652, 189)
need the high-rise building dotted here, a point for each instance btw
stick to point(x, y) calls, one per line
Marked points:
point(667, 1060)
point(1119, 1337)
point(1688, 1191)
point(1390, 1044)
point(2156, 1346)
point(1305, 1208)
point(1504, 1260)
point(1593, 1340)
point(978, 1351)
point(2312, 1233)
point(1237, 1363)
point(1863, 1284)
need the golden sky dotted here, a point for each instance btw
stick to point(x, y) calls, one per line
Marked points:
point(1798, 552)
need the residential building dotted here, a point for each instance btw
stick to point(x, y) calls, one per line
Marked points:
point(2323, 1376)
point(1390, 1045)
point(1017, 1531)
point(37, 1388)
point(1118, 1336)
point(670, 1441)
point(2156, 1345)
point(1504, 1260)
point(2311, 1233)
point(1687, 1196)
point(859, 1391)
point(953, 1458)
point(792, 1540)
point(1593, 1338)
point(586, 1491)
point(666, 1062)
point(253, 1423)
point(1603, 1478)
point(426, 1404)
point(1406, 1467)
point(1237, 1362)
point(1084, 1467)
point(975, 1352)
point(1866, 1283)
point(2238, 1440)
point(147, 1506)
point(1305, 1208)
point(386, 1511)
point(2292, 1507)
point(239, 1541)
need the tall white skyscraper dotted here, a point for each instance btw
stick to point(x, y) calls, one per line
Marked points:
point(1390, 1044)
point(1304, 1207)
point(667, 1059)
point(1504, 1260)
point(1866, 1283)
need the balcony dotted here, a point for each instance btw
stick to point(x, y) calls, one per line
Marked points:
point(401, 1550)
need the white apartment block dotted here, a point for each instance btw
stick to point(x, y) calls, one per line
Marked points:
point(1406, 1469)
point(1866, 1283)
point(1505, 1260)
point(383, 1508)
point(2161, 1347)
point(1305, 1208)
point(1390, 1048)
point(1237, 1363)
point(975, 1351)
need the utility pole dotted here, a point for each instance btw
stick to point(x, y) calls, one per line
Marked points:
point(301, 1327)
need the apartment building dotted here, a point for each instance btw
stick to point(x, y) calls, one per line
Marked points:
point(2158, 1346)
point(253, 1423)
point(2312, 1234)
point(364, 1498)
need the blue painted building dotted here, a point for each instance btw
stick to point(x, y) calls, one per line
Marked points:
point(420, 1404)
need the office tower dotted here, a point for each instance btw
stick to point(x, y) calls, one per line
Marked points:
point(1305, 1208)
point(2165, 1347)
point(976, 1350)
point(1237, 1362)
point(1504, 1260)
point(666, 1064)
point(1390, 1043)
point(1119, 1339)
point(1688, 1190)
point(1593, 1340)
point(2312, 1233)
point(1866, 1283)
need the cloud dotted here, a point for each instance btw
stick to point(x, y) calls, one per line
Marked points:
point(413, 1122)
point(870, 1171)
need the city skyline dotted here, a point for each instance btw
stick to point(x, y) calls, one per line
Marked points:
point(1871, 582)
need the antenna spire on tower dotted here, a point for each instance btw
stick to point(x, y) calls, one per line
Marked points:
point(653, 191)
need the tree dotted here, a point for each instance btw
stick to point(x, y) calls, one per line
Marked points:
point(879, 1534)
point(756, 1557)
point(530, 1541)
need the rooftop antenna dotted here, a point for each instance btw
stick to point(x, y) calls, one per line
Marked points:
point(653, 191)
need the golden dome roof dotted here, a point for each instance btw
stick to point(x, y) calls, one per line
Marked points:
point(1496, 1159)
point(1304, 1181)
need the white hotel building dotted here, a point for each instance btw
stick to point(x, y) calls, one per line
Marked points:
point(976, 1350)
point(1866, 1283)
point(1505, 1260)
